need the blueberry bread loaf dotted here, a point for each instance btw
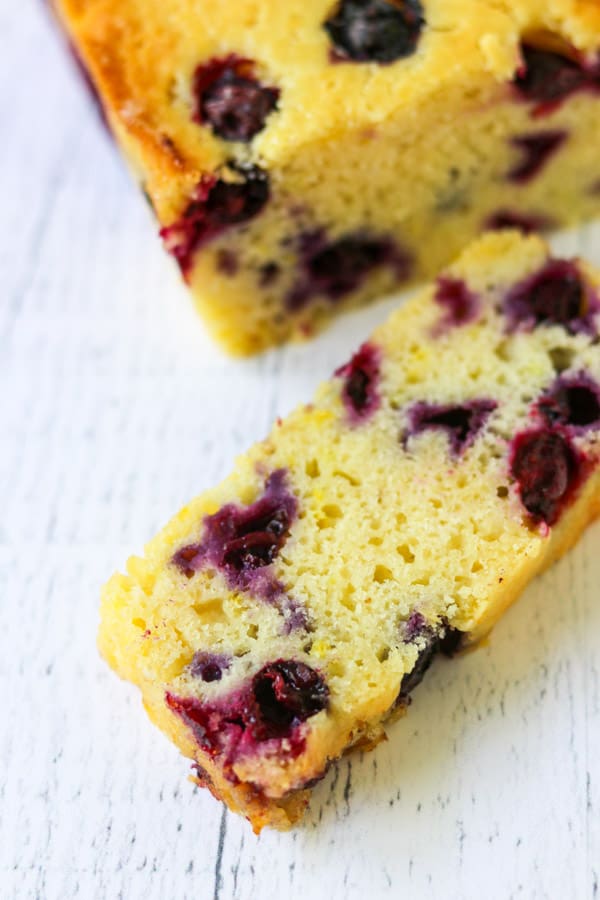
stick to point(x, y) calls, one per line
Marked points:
point(281, 618)
point(303, 157)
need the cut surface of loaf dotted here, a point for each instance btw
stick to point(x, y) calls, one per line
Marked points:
point(282, 617)
point(306, 156)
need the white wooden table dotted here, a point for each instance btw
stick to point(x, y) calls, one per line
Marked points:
point(115, 409)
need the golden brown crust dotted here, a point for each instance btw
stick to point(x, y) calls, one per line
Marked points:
point(131, 88)
point(142, 58)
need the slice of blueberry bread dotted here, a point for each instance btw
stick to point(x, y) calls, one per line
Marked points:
point(282, 617)
point(306, 156)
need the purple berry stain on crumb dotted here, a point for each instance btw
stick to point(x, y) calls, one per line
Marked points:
point(272, 706)
point(209, 666)
point(414, 626)
point(374, 30)
point(361, 380)
point(536, 151)
point(295, 615)
point(216, 204)
point(547, 469)
point(436, 638)
point(527, 223)
point(230, 99)
point(334, 269)
point(547, 78)
point(554, 295)
point(462, 422)
point(573, 402)
point(460, 305)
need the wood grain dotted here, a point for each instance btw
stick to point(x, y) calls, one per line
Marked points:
point(115, 410)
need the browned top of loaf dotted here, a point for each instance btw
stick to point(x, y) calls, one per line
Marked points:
point(142, 55)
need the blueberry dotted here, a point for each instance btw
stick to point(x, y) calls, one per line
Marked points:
point(547, 77)
point(231, 100)
point(208, 666)
point(546, 469)
point(280, 697)
point(573, 401)
point(232, 202)
point(216, 204)
point(437, 638)
point(536, 151)
point(361, 377)
point(286, 693)
point(555, 295)
point(241, 540)
point(338, 268)
point(460, 305)
point(462, 423)
point(525, 222)
point(413, 678)
point(375, 30)
point(334, 269)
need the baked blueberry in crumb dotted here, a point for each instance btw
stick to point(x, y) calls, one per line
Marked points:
point(451, 641)
point(209, 666)
point(230, 98)
point(536, 151)
point(375, 30)
point(546, 77)
point(525, 222)
point(546, 467)
point(460, 304)
point(437, 638)
point(216, 204)
point(271, 706)
point(286, 693)
point(244, 538)
point(462, 422)
point(241, 539)
point(555, 295)
point(572, 401)
point(242, 542)
point(230, 202)
point(335, 268)
point(361, 378)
